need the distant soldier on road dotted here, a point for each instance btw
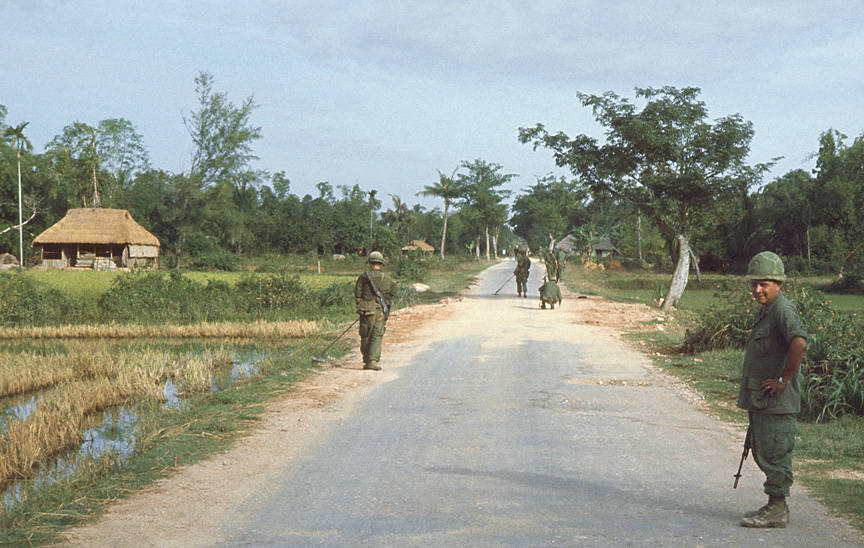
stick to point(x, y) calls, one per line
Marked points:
point(550, 294)
point(551, 263)
point(560, 258)
point(771, 386)
point(373, 293)
point(523, 265)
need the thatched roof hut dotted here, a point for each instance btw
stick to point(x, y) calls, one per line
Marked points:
point(97, 238)
point(419, 245)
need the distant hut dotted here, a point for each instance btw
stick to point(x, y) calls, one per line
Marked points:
point(419, 245)
point(97, 238)
point(603, 247)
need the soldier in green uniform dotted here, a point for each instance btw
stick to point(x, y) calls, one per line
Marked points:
point(373, 293)
point(551, 264)
point(560, 258)
point(523, 265)
point(771, 386)
point(550, 294)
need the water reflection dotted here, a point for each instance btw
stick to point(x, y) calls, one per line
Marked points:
point(112, 439)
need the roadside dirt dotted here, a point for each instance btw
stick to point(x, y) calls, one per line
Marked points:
point(185, 509)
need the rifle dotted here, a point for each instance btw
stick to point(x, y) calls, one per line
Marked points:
point(748, 443)
point(384, 306)
point(505, 283)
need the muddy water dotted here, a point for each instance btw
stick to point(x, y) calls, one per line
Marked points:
point(111, 438)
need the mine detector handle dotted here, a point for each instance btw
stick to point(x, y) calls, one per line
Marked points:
point(747, 446)
point(384, 306)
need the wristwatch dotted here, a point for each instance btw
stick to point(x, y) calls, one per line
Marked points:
point(780, 380)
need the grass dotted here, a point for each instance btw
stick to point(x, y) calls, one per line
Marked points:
point(828, 458)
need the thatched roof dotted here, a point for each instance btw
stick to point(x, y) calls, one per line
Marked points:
point(97, 226)
point(419, 244)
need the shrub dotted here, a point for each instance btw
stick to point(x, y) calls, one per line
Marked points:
point(271, 295)
point(147, 297)
point(336, 295)
point(24, 301)
point(216, 260)
point(410, 267)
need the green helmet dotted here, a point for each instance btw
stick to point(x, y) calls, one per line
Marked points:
point(766, 266)
point(376, 257)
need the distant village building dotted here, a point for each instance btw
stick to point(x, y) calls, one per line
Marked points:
point(97, 238)
point(419, 245)
point(603, 247)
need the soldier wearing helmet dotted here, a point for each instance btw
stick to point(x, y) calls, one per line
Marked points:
point(771, 386)
point(523, 265)
point(373, 293)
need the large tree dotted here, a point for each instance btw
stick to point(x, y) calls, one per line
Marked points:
point(666, 159)
point(546, 211)
point(482, 199)
point(222, 134)
point(448, 190)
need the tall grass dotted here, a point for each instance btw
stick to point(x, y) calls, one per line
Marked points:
point(106, 380)
point(294, 329)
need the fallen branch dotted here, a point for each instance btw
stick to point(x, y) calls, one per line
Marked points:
point(13, 227)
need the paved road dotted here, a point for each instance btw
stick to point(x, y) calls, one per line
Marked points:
point(497, 431)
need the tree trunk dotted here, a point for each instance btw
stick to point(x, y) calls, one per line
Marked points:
point(487, 243)
point(695, 265)
point(20, 216)
point(444, 232)
point(808, 246)
point(639, 239)
point(679, 278)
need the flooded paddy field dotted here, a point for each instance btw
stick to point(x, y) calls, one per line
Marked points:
point(85, 408)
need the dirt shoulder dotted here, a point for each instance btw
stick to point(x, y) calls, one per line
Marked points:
point(186, 509)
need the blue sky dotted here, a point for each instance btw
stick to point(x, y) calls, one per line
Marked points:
point(383, 94)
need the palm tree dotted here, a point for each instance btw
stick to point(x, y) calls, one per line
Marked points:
point(399, 214)
point(448, 190)
point(19, 142)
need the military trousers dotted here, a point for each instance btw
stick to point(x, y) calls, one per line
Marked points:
point(372, 328)
point(773, 438)
point(522, 284)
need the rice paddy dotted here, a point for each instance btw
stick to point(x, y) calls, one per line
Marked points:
point(56, 395)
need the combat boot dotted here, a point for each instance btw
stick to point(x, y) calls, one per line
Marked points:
point(543, 306)
point(773, 514)
point(373, 365)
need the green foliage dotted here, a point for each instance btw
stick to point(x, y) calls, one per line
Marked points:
point(24, 301)
point(411, 267)
point(152, 297)
point(269, 296)
point(216, 260)
point(404, 296)
point(335, 295)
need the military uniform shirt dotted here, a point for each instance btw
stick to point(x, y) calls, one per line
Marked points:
point(765, 358)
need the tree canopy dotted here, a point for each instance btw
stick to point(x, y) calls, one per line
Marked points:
point(666, 159)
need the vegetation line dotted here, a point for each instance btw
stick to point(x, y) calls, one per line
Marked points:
point(295, 329)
